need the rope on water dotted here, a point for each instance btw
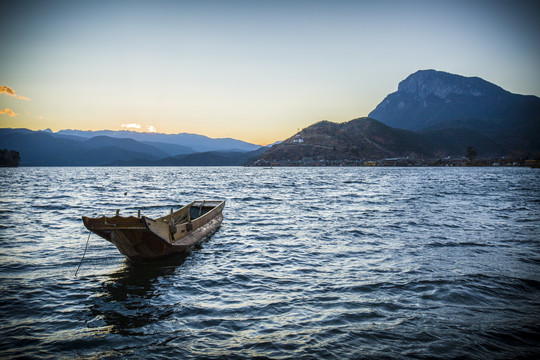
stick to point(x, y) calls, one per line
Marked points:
point(86, 247)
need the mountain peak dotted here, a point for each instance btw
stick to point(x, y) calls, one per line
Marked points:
point(425, 83)
point(429, 97)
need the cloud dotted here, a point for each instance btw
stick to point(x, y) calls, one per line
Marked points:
point(151, 129)
point(9, 112)
point(136, 126)
point(9, 91)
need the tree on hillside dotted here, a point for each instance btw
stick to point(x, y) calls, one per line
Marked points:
point(9, 158)
point(471, 153)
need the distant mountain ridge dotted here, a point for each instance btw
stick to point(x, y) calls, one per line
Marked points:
point(210, 158)
point(197, 143)
point(45, 148)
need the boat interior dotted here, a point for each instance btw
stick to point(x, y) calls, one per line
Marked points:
point(189, 213)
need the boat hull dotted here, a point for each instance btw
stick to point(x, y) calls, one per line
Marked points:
point(146, 240)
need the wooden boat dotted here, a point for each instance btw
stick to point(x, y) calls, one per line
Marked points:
point(144, 239)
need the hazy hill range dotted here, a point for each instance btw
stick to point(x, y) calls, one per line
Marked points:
point(42, 149)
point(210, 158)
point(434, 100)
point(45, 148)
point(193, 142)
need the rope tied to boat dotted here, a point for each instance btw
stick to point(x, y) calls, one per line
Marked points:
point(85, 248)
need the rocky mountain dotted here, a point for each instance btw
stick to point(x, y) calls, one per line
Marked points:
point(429, 100)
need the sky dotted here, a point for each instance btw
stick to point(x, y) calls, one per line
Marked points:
point(253, 70)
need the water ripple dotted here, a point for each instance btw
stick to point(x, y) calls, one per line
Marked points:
point(334, 263)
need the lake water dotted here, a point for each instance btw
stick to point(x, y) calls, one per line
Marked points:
point(309, 263)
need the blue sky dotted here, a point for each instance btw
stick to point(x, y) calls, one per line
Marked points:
point(252, 70)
